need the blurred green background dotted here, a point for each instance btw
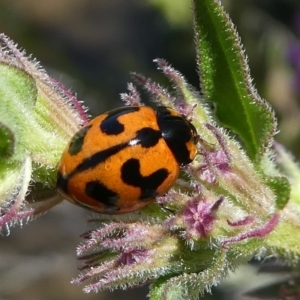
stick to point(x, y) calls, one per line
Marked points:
point(92, 46)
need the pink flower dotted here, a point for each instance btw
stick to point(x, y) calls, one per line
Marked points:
point(199, 216)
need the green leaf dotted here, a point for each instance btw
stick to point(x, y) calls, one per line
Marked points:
point(157, 289)
point(18, 97)
point(225, 79)
point(7, 141)
point(18, 88)
point(282, 189)
point(162, 289)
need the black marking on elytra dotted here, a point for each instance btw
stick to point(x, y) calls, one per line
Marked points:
point(176, 131)
point(131, 175)
point(148, 194)
point(111, 125)
point(97, 158)
point(62, 183)
point(78, 141)
point(147, 137)
point(99, 192)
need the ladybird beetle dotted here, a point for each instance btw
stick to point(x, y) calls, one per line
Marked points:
point(121, 160)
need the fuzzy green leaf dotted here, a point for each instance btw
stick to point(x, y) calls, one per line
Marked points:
point(282, 189)
point(18, 96)
point(6, 141)
point(161, 289)
point(225, 79)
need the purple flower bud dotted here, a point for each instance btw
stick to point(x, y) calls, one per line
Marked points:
point(199, 216)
